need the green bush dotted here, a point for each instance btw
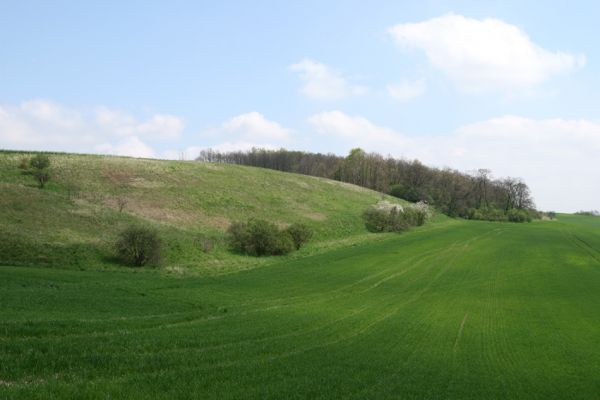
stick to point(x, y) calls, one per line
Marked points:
point(138, 246)
point(413, 216)
point(42, 176)
point(39, 161)
point(498, 215)
point(376, 220)
point(259, 238)
point(39, 168)
point(300, 234)
point(486, 214)
point(385, 217)
point(516, 215)
point(24, 163)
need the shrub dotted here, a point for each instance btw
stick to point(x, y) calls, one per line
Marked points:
point(498, 215)
point(516, 215)
point(24, 163)
point(486, 214)
point(259, 238)
point(39, 161)
point(300, 234)
point(376, 220)
point(388, 217)
point(40, 164)
point(121, 202)
point(413, 216)
point(138, 246)
point(42, 176)
point(239, 236)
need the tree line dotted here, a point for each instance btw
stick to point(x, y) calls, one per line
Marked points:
point(475, 195)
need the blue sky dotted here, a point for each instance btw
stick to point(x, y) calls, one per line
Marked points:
point(510, 86)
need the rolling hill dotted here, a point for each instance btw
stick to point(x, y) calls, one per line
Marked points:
point(74, 221)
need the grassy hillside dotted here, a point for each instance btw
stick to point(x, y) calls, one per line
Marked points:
point(75, 220)
point(462, 310)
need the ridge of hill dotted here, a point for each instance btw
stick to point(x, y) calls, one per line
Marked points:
point(74, 221)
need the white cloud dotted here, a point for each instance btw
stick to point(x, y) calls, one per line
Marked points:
point(407, 90)
point(47, 125)
point(188, 153)
point(357, 131)
point(159, 126)
point(131, 146)
point(243, 146)
point(242, 132)
point(324, 83)
point(556, 157)
point(484, 54)
point(254, 126)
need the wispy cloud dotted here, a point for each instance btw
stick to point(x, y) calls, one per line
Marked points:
point(325, 83)
point(407, 90)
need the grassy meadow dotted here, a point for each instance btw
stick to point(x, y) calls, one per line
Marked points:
point(74, 222)
point(450, 310)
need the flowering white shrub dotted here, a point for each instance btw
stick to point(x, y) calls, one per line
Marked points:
point(384, 205)
point(423, 207)
point(388, 217)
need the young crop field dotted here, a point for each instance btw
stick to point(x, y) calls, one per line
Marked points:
point(455, 310)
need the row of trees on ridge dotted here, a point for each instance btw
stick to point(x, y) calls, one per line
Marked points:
point(475, 195)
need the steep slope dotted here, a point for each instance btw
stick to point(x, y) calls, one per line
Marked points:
point(73, 222)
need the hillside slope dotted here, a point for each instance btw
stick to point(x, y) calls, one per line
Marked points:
point(74, 221)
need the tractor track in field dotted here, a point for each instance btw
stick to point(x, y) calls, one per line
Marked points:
point(460, 331)
point(583, 245)
point(340, 292)
point(283, 302)
point(212, 318)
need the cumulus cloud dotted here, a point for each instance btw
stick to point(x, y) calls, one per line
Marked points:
point(357, 130)
point(484, 54)
point(131, 146)
point(407, 90)
point(324, 83)
point(554, 156)
point(47, 125)
point(254, 126)
point(242, 132)
point(159, 126)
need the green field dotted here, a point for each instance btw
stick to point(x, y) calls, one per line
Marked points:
point(451, 310)
point(461, 310)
